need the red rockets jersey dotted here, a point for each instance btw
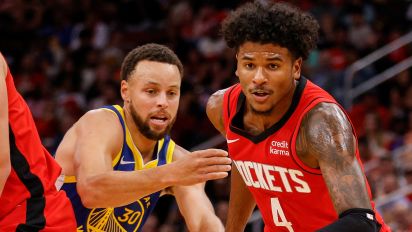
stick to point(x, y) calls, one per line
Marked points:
point(290, 195)
point(34, 170)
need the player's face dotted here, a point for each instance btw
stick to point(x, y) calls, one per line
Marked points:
point(267, 74)
point(152, 96)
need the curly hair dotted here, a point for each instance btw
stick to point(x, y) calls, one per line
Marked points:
point(151, 52)
point(277, 23)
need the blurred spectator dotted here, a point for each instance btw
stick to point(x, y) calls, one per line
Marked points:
point(368, 104)
point(360, 33)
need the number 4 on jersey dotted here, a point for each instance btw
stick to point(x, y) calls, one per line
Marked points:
point(278, 216)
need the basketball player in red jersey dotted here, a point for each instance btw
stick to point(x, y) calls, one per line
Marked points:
point(29, 200)
point(293, 147)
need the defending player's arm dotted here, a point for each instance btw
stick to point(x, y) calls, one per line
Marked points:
point(99, 138)
point(327, 136)
point(5, 165)
point(241, 202)
point(201, 215)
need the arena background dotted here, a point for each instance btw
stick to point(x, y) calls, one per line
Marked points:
point(66, 54)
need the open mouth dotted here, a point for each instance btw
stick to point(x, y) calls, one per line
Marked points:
point(159, 120)
point(260, 91)
point(260, 95)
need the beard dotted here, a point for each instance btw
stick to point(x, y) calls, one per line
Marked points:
point(144, 128)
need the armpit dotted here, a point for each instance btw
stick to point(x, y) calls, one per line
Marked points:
point(167, 191)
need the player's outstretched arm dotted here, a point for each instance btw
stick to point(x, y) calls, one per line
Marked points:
point(194, 204)
point(99, 139)
point(241, 203)
point(326, 135)
point(5, 165)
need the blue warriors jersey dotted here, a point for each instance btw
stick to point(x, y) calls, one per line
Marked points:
point(132, 216)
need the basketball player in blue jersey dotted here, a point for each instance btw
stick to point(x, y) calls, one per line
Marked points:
point(118, 160)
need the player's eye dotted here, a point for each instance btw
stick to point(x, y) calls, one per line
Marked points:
point(150, 91)
point(172, 93)
point(273, 66)
point(249, 65)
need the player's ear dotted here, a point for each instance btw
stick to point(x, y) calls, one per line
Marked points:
point(124, 90)
point(297, 65)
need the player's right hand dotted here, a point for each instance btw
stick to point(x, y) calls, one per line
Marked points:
point(200, 166)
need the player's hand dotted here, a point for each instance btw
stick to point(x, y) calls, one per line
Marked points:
point(200, 166)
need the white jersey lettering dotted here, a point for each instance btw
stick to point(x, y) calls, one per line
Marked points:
point(259, 175)
point(242, 171)
point(272, 178)
point(282, 171)
point(304, 188)
point(249, 166)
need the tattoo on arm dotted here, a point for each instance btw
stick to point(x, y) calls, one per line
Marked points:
point(326, 135)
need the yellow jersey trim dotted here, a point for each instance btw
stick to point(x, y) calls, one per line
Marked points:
point(69, 179)
point(170, 150)
point(129, 141)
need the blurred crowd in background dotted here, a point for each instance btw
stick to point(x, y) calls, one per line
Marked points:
point(66, 55)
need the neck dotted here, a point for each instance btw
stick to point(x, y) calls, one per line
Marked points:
point(143, 144)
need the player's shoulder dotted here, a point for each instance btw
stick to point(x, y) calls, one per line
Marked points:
point(214, 109)
point(100, 114)
point(216, 99)
point(329, 111)
point(98, 119)
point(221, 92)
point(325, 120)
point(215, 103)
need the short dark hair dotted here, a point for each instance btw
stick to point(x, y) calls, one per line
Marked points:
point(276, 23)
point(151, 52)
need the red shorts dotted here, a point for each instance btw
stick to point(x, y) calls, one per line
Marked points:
point(58, 213)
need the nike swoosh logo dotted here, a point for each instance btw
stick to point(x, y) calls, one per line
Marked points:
point(231, 140)
point(122, 161)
